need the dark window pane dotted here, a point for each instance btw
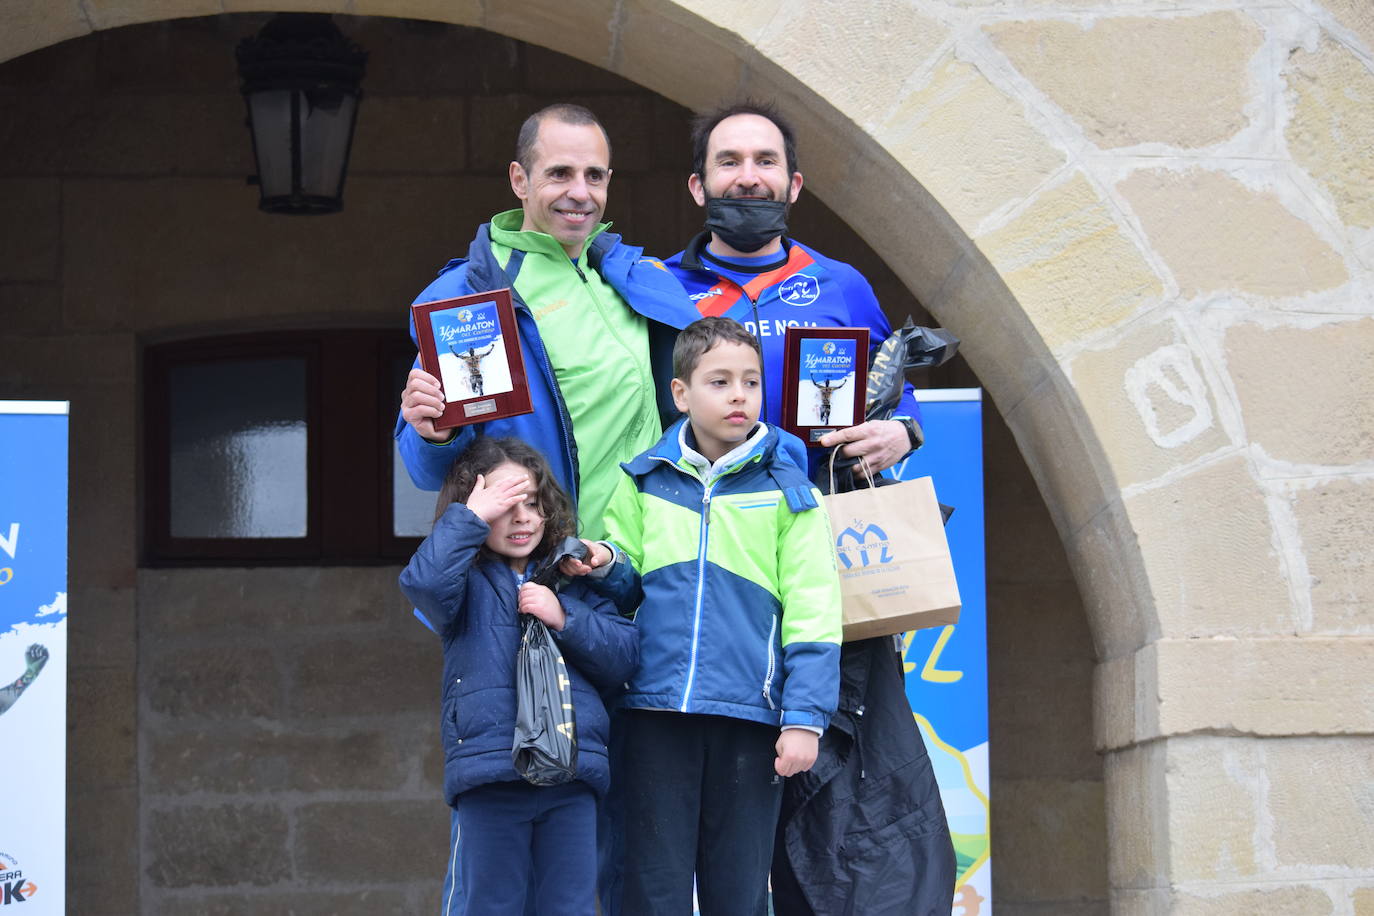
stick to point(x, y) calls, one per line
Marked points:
point(238, 449)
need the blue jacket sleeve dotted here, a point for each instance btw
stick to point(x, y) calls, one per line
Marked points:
point(595, 639)
point(435, 579)
point(428, 462)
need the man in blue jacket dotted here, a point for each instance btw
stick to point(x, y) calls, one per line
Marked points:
point(745, 267)
point(589, 310)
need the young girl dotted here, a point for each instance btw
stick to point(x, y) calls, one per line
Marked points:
point(500, 513)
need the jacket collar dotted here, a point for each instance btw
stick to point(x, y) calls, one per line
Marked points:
point(691, 255)
point(767, 443)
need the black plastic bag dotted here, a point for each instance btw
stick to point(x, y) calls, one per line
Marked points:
point(909, 347)
point(545, 748)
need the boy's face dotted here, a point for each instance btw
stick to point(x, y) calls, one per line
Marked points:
point(722, 397)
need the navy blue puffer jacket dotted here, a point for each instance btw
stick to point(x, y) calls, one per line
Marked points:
point(472, 604)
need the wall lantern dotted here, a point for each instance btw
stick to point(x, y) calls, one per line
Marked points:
point(300, 79)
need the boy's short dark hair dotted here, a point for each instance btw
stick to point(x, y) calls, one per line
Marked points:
point(703, 334)
point(703, 124)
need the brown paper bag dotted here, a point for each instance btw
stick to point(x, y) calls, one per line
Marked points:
point(895, 569)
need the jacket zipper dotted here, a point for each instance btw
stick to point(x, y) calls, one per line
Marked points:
point(702, 541)
point(772, 661)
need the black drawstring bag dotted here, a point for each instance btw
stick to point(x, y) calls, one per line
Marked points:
point(545, 749)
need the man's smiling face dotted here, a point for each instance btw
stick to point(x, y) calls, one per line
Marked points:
point(564, 192)
point(745, 157)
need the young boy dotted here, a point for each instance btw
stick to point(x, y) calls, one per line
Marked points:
point(722, 546)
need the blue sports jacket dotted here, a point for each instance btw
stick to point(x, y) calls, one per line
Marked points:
point(643, 282)
point(472, 604)
point(808, 290)
point(734, 579)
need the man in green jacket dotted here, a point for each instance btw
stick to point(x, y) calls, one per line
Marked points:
point(588, 309)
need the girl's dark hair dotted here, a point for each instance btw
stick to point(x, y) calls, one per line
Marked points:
point(482, 457)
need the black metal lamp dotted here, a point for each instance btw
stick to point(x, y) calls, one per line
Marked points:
point(301, 82)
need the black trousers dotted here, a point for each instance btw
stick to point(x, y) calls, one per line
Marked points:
point(701, 798)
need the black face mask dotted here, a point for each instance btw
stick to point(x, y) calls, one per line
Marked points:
point(746, 225)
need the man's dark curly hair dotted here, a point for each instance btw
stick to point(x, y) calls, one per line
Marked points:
point(703, 124)
point(482, 457)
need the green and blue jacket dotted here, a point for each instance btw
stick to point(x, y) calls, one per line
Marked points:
point(730, 572)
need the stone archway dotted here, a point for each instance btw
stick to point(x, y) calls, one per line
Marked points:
point(1153, 233)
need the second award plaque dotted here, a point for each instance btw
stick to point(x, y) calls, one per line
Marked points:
point(470, 344)
point(825, 375)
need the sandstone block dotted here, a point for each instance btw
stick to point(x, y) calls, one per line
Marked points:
point(1180, 80)
point(1062, 454)
point(1358, 17)
point(1043, 708)
point(998, 339)
point(275, 600)
point(869, 52)
point(405, 840)
point(1271, 687)
point(1125, 691)
point(259, 762)
point(362, 676)
point(1058, 833)
point(30, 308)
point(102, 718)
point(1069, 264)
point(1107, 565)
point(1311, 405)
point(1336, 523)
point(103, 627)
point(1218, 235)
point(1137, 828)
point(101, 827)
point(217, 846)
point(220, 682)
point(585, 27)
point(1150, 402)
point(29, 235)
point(1208, 549)
point(33, 24)
point(547, 72)
point(121, 271)
point(968, 143)
point(460, 12)
point(1022, 545)
point(1363, 900)
point(1319, 796)
point(747, 21)
point(158, 133)
point(409, 134)
point(365, 901)
point(1269, 901)
point(1215, 787)
point(699, 80)
point(1332, 129)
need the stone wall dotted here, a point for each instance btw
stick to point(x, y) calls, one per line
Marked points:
point(262, 740)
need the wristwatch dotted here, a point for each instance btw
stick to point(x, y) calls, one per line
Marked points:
point(913, 432)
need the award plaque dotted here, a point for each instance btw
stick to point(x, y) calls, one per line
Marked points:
point(824, 380)
point(470, 344)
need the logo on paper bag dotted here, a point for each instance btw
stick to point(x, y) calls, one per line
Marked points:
point(862, 545)
point(14, 887)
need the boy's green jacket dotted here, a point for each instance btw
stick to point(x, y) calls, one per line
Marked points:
point(740, 610)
